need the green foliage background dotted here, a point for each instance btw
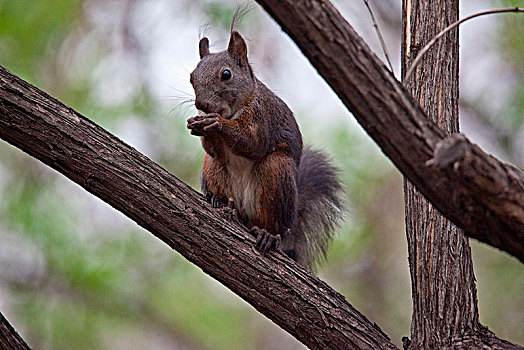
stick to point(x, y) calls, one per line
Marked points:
point(71, 277)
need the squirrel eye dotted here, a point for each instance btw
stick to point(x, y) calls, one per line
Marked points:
point(226, 75)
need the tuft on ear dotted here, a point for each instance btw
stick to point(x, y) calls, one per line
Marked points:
point(203, 47)
point(237, 48)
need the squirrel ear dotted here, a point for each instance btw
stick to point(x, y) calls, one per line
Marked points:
point(203, 47)
point(237, 47)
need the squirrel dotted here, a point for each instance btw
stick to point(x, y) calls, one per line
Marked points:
point(288, 196)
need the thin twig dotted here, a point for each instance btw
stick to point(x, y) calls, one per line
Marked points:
point(447, 29)
point(379, 34)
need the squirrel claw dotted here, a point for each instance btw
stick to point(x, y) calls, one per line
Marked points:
point(218, 201)
point(265, 240)
point(203, 124)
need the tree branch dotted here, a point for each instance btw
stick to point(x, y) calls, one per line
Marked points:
point(9, 338)
point(474, 190)
point(286, 293)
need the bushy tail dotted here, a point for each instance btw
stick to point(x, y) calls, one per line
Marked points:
point(321, 207)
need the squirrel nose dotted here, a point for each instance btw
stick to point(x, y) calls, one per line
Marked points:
point(200, 105)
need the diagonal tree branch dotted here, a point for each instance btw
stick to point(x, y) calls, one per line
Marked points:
point(476, 191)
point(9, 338)
point(292, 297)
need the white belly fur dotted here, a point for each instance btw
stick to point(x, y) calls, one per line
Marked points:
point(242, 185)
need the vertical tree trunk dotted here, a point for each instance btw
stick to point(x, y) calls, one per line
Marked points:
point(443, 282)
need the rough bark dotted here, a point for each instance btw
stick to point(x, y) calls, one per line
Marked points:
point(283, 291)
point(445, 308)
point(442, 277)
point(9, 338)
point(474, 190)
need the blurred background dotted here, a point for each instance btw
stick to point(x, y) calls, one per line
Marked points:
point(75, 273)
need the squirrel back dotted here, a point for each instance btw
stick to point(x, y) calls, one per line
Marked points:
point(289, 197)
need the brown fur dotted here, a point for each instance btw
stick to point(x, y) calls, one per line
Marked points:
point(253, 154)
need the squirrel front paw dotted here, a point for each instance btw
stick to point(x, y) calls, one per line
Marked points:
point(265, 240)
point(205, 124)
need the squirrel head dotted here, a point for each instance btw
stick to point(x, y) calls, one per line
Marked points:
point(224, 81)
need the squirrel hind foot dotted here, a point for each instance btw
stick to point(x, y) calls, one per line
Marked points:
point(217, 201)
point(265, 240)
